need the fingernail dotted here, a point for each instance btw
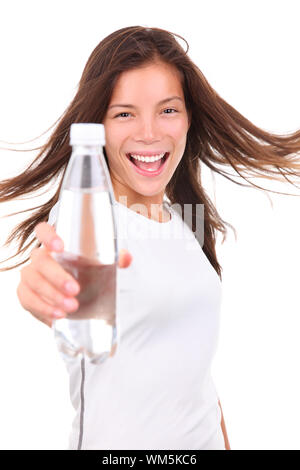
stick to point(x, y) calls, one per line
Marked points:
point(71, 287)
point(57, 244)
point(58, 313)
point(70, 304)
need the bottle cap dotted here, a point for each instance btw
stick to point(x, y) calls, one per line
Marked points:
point(87, 134)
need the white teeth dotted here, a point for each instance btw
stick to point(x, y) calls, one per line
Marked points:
point(154, 158)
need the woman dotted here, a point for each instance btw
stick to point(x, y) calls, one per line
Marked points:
point(152, 100)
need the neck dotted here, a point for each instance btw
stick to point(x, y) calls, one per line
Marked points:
point(148, 206)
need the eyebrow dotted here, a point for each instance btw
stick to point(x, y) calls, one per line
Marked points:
point(132, 106)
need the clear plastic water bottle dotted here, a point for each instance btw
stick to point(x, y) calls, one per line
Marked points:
point(86, 224)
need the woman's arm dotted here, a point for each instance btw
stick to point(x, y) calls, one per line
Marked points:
point(227, 445)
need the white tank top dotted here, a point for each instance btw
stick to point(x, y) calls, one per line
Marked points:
point(156, 392)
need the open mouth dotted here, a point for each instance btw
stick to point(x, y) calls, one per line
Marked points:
point(148, 166)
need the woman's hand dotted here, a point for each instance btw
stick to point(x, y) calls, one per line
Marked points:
point(46, 290)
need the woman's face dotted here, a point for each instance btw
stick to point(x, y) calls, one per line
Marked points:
point(146, 117)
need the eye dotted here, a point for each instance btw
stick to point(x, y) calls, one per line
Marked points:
point(170, 111)
point(121, 115)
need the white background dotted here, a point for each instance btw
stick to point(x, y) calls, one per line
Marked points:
point(249, 52)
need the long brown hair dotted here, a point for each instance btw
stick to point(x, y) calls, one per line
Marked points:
point(218, 136)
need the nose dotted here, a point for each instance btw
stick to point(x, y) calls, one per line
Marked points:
point(147, 131)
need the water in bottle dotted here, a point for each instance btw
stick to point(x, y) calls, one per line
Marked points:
point(86, 224)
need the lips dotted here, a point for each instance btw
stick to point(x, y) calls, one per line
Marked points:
point(146, 153)
point(147, 168)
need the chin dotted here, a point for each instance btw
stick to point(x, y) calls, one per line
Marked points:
point(150, 192)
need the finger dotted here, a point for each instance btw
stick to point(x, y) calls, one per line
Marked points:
point(37, 307)
point(54, 273)
point(47, 292)
point(47, 235)
point(125, 259)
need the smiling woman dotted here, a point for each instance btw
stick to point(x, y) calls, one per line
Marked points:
point(162, 121)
